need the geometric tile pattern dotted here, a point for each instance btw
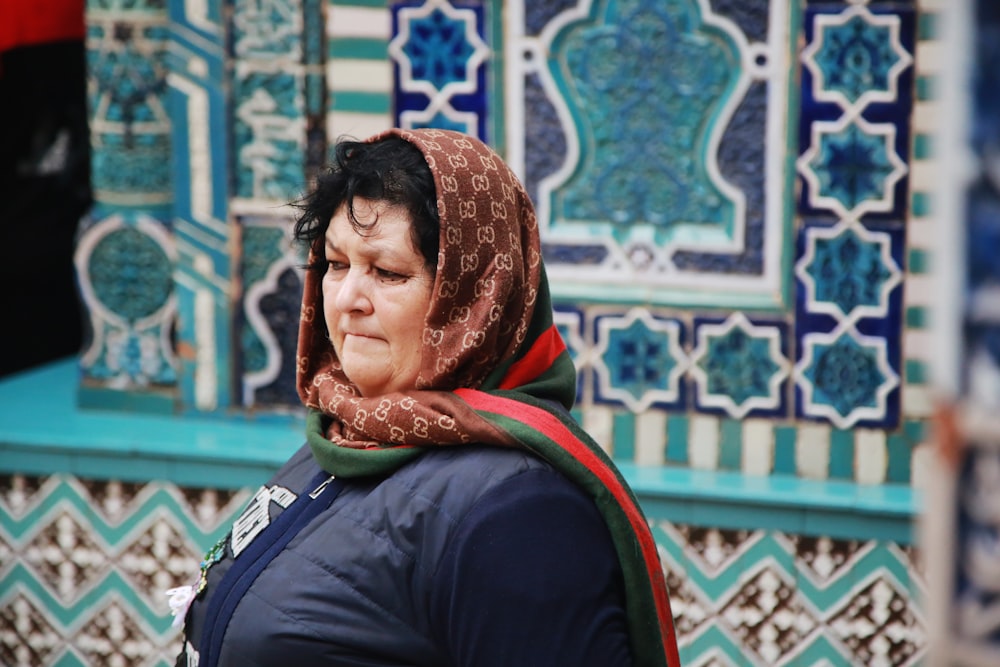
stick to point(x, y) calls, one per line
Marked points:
point(131, 318)
point(637, 163)
point(441, 64)
point(846, 377)
point(272, 288)
point(739, 366)
point(857, 59)
point(638, 359)
point(358, 73)
point(851, 166)
point(199, 89)
point(85, 563)
point(125, 251)
point(724, 387)
point(277, 97)
point(268, 99)
point(745, 597)
point(729, 240)
point(857, 73)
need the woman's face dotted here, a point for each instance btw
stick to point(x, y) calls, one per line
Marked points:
point(376, 293)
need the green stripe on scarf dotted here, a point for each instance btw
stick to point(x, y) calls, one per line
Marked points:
point(643, 618)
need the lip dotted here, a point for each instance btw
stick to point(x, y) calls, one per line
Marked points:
point(359, 335)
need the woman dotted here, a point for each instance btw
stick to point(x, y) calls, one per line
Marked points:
point(446, 509)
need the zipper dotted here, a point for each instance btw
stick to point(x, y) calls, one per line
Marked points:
point(322, 487)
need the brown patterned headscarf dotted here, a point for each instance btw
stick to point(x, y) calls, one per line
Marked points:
point(484, 294)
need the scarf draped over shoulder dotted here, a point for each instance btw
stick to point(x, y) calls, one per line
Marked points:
point(494, 370)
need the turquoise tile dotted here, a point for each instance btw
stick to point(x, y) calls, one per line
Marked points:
point(841, 454)
point(916, 317)
point(918, 260)
point(926, 88)
point(784, 450)
point(361, 102)
point(623, 426)
point(677, 439)
point(900, 456)
point(915, 372)
point(358, 47)
point(921, 204)
point(928, 26)
point(923, 146)
point(730, 444)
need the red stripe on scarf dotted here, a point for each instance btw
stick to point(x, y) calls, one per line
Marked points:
point(542, 354)
point(552, 428)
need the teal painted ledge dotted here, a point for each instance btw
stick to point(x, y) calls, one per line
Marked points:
point(725, 499)
point(43, 431)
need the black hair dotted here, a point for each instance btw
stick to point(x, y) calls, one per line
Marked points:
point(391, 170)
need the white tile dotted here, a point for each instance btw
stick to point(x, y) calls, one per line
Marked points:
point(703, 442)
point(370, 76)
point(926, 117)
point(812, 451)
point(917, 343)
point(930, 57)
point(651, 438)
point(924, 176)
point(871, 456)
point(356, 125)
point(598, 421)
point(922, 233)
point(919, 289)
point(758, 447)
point(364, 22)
point(923, 461)
point(918, 401)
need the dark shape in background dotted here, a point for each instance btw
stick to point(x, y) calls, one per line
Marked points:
point(44, 179)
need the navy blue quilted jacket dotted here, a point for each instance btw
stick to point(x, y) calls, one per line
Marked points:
point(465, 556)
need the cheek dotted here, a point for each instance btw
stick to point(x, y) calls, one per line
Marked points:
point(329, 311)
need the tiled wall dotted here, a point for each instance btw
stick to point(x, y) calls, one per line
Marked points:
point(84, 564)
point(733, 198)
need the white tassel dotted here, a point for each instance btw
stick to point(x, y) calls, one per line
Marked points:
point(180, 600)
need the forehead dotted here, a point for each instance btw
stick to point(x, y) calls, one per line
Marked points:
point(376, 224)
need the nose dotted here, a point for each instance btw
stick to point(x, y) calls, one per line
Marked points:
point(353, 292)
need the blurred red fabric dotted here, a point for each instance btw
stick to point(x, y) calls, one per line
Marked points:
point(28, 22)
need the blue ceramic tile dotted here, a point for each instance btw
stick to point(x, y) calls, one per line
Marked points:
point(740, 368)
point(641, 361)
point(861, 58)
point(440, 51)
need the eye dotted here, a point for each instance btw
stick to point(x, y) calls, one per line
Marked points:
point(335, 265)
point(386, 274)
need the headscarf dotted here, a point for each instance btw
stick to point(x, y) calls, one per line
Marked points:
point(494, 369)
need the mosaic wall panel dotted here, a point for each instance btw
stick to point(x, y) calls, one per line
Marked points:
point(125, 250)
point(197, 85)
point(83, 564)
point(736, 225)
point(440, 62)
point(745, 597)
point(772, 292)
point(279, 138)
point(661, 109)
point(359, 71)
point(272, 287)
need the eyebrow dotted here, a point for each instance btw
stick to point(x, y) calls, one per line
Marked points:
point(379, 249)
